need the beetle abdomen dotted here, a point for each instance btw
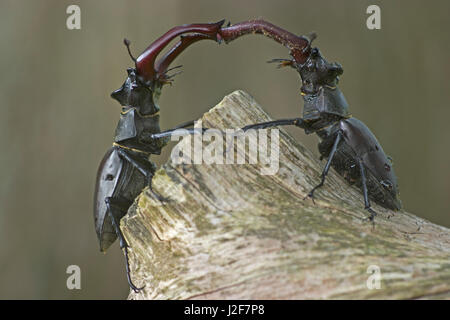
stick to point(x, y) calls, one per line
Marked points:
point(360, 143)
point(382, 181)
point(118, 179)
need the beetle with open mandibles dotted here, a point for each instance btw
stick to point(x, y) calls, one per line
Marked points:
point(348, 144)
point(126, 169)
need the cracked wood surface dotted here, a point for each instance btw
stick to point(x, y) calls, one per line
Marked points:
point(229, 232)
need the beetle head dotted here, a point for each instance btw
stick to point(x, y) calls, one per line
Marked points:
point(134, 94)
point(317, 72)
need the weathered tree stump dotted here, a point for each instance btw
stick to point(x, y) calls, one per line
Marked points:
point(229, 232)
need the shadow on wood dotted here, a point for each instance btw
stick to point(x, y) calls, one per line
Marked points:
point(229, 232)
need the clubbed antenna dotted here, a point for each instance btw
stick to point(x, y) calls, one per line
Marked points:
point(127, 43)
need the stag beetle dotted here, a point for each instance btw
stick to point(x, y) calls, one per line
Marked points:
point(126, 169)
point(348, 144)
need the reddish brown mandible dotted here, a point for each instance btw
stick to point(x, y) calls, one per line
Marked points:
point(299, 46)
point(145, 63)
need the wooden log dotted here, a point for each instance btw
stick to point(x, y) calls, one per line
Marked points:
point(229, 232)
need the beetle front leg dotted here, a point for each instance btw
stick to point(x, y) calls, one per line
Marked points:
point(146, 167)
point(117, 209)
point(180, 131)
point(365, 192)
point(327, 166)
point(299, 122)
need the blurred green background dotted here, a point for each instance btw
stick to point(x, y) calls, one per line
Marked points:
point(57, 118)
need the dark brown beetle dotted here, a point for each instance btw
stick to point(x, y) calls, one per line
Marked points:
point(126, 169)
point(348, 144)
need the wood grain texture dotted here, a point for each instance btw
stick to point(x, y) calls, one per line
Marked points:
point(229, 232)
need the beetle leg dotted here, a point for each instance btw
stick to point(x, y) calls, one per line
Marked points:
point(146, 167)
point(365, 192)
point(183, 131)
point(299, 122)
point(327, 166)
point(146, 136)
point(117, 209)
point(127, 266)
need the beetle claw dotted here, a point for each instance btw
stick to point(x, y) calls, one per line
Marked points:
point(134, 288)
point(371, 217)
point(311, 193)
point(311, 196)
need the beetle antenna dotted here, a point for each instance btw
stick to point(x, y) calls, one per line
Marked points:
point(173, 68)
point(311, 37)
point(173, 74)
point(127, 43)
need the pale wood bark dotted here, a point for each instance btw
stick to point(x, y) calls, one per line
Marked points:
point(229, 232)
